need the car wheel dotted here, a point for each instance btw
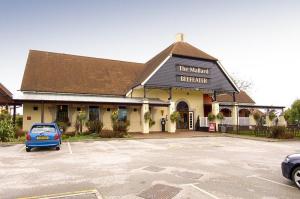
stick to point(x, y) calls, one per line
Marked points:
point(28, 149)
point(57, 148)
point(296, 176)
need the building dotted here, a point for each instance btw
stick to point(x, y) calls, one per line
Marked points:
point(180, 78)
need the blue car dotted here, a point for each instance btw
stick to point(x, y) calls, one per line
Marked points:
point(291, 168)
point(43, 135)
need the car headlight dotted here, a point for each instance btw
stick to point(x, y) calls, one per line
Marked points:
point(287, 159)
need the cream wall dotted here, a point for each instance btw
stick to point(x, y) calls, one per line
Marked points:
point(193, 98)
point(49, 114)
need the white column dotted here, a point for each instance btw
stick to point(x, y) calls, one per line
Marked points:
point(268, 121)
point(145, 124)
point(252, 121)
point(171, 125)
point(215, 109)
point(281, 121)
point(235, 115)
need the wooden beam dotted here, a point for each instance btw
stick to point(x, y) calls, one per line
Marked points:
point(215, 96)
point(14, 115)
point(145, 92)
point(170, 93)
point(233, 97)
point(42, 112)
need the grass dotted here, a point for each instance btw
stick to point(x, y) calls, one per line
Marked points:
point(80, 137)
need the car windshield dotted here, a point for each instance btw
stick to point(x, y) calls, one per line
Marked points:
point(42, 129)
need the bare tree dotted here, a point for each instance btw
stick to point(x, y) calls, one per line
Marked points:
point(242, 84)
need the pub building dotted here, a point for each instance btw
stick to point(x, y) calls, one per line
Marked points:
point(181, 78)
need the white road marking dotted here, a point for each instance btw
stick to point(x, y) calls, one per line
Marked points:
point(272, 181)
point(69, 146)
point(203, 191)
point(22, 148)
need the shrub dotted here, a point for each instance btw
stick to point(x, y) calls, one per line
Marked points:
point(80, 119)
point(7, 130)
point(220, 116)
point(256, 116)
point(211, 117)
point(19, 121)
point(114, 116)
point(20, 133)
point(272, 116)
point(147, 116)
point(280, 132)
point(174, 116)
point(151, 123)
point(63, 125)
point(107, 134)
point(94, 126)
point(120, 128)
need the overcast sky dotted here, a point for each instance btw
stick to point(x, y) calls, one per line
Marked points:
point(257, 41)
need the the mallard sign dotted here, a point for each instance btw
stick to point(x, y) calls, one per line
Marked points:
point(191, 79)
point(192, 70)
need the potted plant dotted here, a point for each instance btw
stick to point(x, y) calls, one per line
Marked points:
point(220, 117)
point(174, 116)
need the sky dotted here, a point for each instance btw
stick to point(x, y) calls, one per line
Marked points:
point(257, 41)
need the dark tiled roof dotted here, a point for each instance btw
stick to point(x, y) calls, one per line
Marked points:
point(63, 73)
point(241, 97)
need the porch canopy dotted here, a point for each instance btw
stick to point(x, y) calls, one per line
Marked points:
point(87, 99)
point(252, 106)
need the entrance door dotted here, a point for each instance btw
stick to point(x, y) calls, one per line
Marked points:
point(183, 109)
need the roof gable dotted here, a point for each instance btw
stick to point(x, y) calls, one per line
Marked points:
point(177, 48)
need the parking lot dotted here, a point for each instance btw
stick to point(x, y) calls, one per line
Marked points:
point(204, 167)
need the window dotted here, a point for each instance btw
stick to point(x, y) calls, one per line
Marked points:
point(122, 114)
point(35, 108)
point(62, 113)
point(43, 129)
point(93, 113)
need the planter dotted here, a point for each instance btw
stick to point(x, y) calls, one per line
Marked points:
point(223, 129)
point(212, 127)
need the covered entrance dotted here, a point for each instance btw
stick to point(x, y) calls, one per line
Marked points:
point(183, 121)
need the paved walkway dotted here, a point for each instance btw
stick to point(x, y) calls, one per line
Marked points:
point(191, 134)
point(180, 134)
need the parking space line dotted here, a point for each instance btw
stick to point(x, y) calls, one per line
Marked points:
point(69, 146)
point(22, 148)
point(66, 194)
point(203, 191)
point(272, 181)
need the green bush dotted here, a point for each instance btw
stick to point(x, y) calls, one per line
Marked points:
point(272, 116)
point(120, 128)
point(280, 132)
point(151, 122)
point(147, 116)
point(211, 117)
point(7, 130)
point(63, 125)
point(94, 126)
point(19, 121)
point(174, 116)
